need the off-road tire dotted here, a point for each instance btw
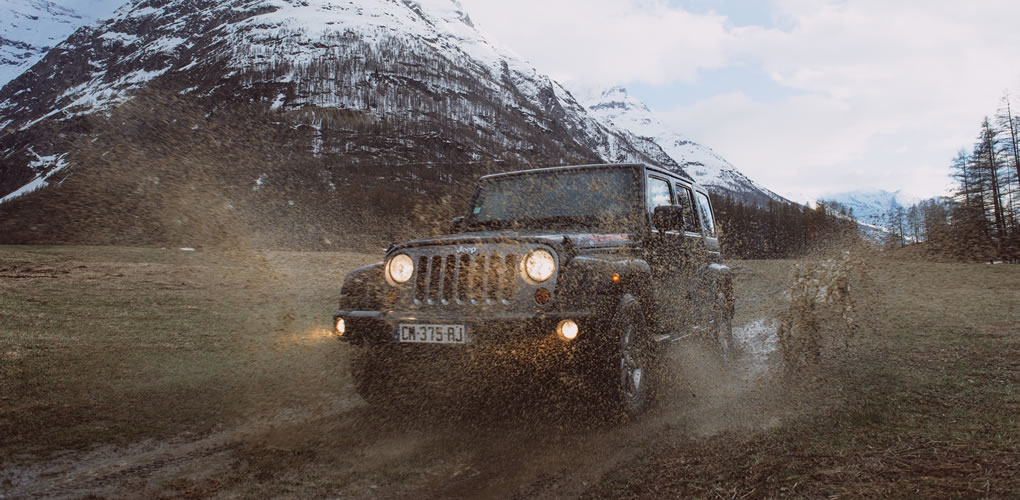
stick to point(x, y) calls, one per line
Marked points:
point(722, 323)
point(723, 343)
point(628, 360)
point(370, 376)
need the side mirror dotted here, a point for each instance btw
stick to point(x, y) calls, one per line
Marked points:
point(456, 223)
point(668, 217)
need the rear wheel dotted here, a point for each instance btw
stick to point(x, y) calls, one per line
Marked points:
point(723, 342)
point(723, 322)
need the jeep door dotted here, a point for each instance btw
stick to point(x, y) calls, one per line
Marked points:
point(665, 254)
point(696, 257)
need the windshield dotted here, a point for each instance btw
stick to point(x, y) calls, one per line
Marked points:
point(591, 198)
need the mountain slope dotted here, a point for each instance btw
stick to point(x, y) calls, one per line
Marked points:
point(381, 97)
point(707, 167)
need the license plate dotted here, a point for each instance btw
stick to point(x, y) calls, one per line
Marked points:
point(432, 334)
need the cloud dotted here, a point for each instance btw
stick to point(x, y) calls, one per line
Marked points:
point(606, 41)
point(885, 93)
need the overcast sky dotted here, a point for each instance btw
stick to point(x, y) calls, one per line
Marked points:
point(804, 96)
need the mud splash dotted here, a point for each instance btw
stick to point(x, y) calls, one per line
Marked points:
point(758, 341)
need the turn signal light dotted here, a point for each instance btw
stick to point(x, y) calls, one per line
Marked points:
point(341, 327)
point(542, 296)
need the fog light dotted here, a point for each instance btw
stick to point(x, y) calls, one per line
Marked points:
point(341, 326)
point(567, 330)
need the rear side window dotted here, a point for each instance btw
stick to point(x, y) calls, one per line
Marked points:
point(705, 207)
point(683, 198)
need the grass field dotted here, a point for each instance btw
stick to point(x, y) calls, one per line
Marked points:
point(113, 345)
point(113, 356)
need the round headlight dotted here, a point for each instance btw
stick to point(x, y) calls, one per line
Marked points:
point(400, 268)
point(539, 265)
point(568, 330)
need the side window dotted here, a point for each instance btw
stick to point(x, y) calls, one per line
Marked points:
point(705, 207)
point(657, 194)
point(683, 198)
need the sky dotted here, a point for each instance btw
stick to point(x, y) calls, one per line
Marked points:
point(804, 96)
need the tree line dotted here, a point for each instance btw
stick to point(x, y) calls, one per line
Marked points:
point(980, 219)
point(781, 230)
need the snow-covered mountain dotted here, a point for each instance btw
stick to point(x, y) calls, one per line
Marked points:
point(371, 94)
point(707, 167)
point(31, 27)
point(874, 207)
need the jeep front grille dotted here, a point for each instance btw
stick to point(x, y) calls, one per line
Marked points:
point(466, 279)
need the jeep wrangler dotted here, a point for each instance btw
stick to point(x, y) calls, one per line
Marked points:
point(587, 271)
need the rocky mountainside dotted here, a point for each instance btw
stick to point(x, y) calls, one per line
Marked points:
point(619, 108)
point(292, 121)
point(315, 104)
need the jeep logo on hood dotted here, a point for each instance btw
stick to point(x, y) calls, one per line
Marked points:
point(467, 250)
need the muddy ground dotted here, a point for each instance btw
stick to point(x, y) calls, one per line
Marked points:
point(132, 372)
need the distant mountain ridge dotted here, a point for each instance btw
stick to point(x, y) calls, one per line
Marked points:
point(875, 207)
point(615, 105)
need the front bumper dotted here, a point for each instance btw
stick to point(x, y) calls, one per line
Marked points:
point(490, 330)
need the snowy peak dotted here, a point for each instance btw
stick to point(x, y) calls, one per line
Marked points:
point(616, 101)
point(450, 11)
point(616, 106)
point(282, 38)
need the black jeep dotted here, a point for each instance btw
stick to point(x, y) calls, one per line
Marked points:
point(582, 271)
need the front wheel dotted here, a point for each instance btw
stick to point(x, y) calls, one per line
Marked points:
point(629, 361)
point(372, 376)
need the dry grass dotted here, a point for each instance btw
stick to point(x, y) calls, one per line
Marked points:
point(117, 346)
point(113, 345)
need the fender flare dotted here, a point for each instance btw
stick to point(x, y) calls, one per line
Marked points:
point(362, 288)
